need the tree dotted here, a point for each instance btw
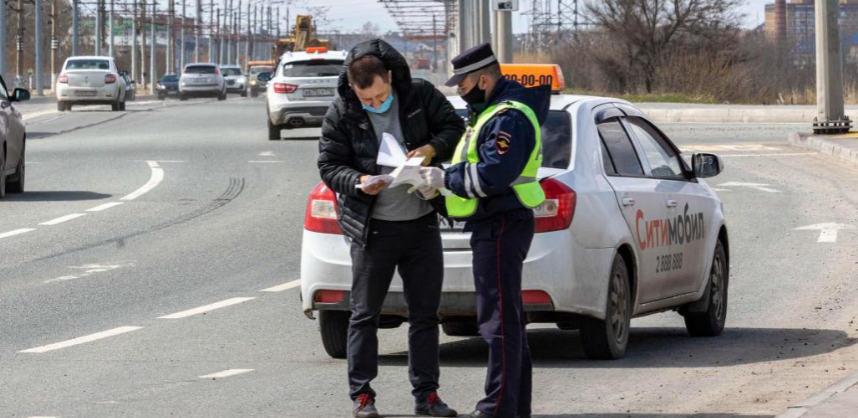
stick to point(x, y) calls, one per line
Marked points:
point(645, 31)
point(369, 30)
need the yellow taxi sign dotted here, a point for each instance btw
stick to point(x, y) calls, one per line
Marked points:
point(532, 75)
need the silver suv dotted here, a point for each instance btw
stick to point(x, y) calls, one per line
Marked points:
point(201, 80)
point(236, 82)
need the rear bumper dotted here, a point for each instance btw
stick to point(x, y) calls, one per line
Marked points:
point(212, 91)
point(299, 115)
point(94, 95)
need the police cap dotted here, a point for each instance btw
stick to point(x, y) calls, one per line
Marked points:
point(476, 58)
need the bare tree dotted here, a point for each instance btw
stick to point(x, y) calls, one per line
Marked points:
point(645, 31)
point(369, 30)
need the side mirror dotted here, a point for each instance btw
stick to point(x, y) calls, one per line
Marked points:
point(264, 76)
point(706, 165)
point(20, 95)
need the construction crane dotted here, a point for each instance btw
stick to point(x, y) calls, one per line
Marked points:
point(303, 37)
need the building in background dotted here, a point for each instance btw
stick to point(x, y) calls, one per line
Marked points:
point(793, 23)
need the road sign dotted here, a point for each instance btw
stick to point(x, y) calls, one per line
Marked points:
point(505, 5)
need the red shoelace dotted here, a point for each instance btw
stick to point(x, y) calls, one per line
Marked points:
point(364, 400)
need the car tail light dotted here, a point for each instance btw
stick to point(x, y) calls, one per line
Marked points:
point(109, 78)
point(535, 297)
point(558, 209)
point(321, 213)
point(284, 88)
point(329, 296)
point(63, 79)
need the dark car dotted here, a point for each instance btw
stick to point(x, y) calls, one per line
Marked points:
point(12, 141)
point(167, 85)
point(130, 87)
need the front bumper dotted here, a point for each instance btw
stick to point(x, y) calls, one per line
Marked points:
point(236, 88)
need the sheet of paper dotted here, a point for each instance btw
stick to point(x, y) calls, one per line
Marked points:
point(391, 153)
point(408, 173)
point(385, 178)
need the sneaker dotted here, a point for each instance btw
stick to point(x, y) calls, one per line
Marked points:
point(365, 407)
point(433, 406)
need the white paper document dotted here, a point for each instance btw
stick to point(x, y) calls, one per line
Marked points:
point(391, 152)
point(408, 173)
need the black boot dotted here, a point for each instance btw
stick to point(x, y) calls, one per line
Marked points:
point(365, 407)
point(433, 406)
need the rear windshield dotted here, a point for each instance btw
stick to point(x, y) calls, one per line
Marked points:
point(316, 68)
point(556, 139)
point(257, 70)
point(171, 77)
point(200, 69)
point(85, 64)
point(230, 71)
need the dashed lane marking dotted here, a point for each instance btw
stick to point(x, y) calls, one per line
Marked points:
point(265, 162)
point(105, 206)
point(154, 181)
point(80, 340)
point(225, 373)
point(62, 219)
point(206, 308)
point(89, 270)
point(286, 286)
point(16, 232)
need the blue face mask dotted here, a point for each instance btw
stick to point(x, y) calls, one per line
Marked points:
point(383, 108)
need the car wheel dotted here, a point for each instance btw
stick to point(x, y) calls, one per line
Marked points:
point(607, 339)
point(254, 93)
point(461, 329)
point(244, 93)
point(2, 173)
point(61, 106)
point(114, 106)
point(16, 185)
point(334, 327)
point(182, 97)
point(161, 97)
point(273, 131)
point(122, 106)
point(710, 323)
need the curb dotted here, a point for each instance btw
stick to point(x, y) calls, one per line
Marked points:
point(729, 115)
point(824, 145)
point(803, 407)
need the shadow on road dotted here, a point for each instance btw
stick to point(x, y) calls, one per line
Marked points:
point(655, 348)
point(59, 196)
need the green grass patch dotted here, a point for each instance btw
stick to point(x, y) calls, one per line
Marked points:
point(650, 98)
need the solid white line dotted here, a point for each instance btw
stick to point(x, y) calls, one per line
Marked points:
point(157, 177)
point(204, 309)
point(62, 219)
point(286, 286)
point(42, 417)
point(265, 162)
point(105, 206)
point(16, 232)
point(793, 154)
point(81, 340)
point(225, 373)
point(37, 114)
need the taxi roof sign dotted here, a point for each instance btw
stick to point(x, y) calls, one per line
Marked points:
point(532, 75)
point(316, 50)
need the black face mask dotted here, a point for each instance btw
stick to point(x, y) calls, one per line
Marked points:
point(476, 97)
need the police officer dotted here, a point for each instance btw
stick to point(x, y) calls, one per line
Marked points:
point(494, 188)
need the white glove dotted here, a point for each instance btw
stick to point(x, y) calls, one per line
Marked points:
point(433, 176)
point(424, 192)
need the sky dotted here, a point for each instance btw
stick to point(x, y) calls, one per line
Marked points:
point(351, 15)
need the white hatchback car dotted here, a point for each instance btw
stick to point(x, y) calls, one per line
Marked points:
point(301, 88)
point(627, 229)
point(90, 80)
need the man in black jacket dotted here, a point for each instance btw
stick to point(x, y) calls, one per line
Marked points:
point(389, 228)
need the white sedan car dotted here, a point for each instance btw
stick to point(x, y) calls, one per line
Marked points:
point(90, 80)
point(301, 88)
point(627, 229)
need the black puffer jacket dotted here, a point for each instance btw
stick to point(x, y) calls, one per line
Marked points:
point(348, 147)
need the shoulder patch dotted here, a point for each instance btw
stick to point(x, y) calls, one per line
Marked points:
point(502, 142)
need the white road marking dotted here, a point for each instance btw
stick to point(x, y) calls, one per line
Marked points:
point(89, 270)
point(720, 190)
point(827, 231)
point(225, 373)
point(157, 177)
point(37, 114)
point(286, 286)
point(16, 232)
point(789, 154)
point(265, 162)
point(105, 206)
point(756, 186)
point(80, 340)
point(171, 161)
point(62, 219)
point(266, 154)
point(207, 308)
point(729, 147)
point(42, 417)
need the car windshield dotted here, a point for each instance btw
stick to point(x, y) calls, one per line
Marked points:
point(313, 68)
point(170, 78)
point(257, 70)
point(230, 71)
point(556, 139)
point(87, 64)
point(200, 69)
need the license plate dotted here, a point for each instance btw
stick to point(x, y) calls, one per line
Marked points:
point(318, 92)
point(85, 93)
point(200, 81)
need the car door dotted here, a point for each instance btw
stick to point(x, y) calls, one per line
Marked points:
point(638, 197)
point(689, 209)
point(14, 142)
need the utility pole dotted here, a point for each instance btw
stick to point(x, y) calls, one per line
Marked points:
point(197, 26)
point(248, 45)
point(169, 62)
point(75, 28)
point(277, 24)
point(110, 28)
point(153, 74)
point(830, 117)
point(19, 47)
point(238, 34)
point(182, 38)
point(503, 33)
point(134, 74)
point(54, 45)
point(38, 64)
point(143, 77)
point(220, 40)
point(3, 38)
point(98, 26)
point(434, 66)
point(211, 30)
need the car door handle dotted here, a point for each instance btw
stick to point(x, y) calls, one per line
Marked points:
point(627, 201)
point(670, 203)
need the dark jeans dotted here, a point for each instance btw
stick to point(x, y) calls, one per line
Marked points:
point(500, 247)
point(414, 248)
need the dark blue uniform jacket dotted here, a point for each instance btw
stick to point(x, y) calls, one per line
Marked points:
point(505, 144)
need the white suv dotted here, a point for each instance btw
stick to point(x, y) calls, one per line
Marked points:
point(201, 79)
point(90, 80)
point(236, 81)
point(301, 88)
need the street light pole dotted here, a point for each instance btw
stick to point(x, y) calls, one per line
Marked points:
point(54, 45)
point(134, 74)
point(98, 26)
point(830, 117)
point(153, 74)
point(197, 27)
point(75, 27)
point(110, 28)
point(182, 37)
point(38, 64)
